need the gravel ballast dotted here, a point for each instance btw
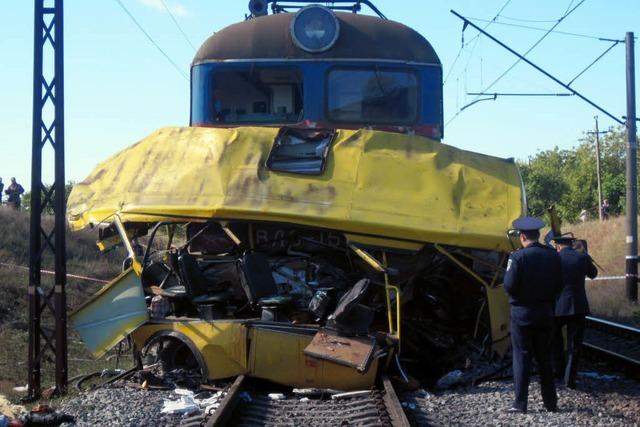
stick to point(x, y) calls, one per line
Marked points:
point(120, 406)
point(599, 401)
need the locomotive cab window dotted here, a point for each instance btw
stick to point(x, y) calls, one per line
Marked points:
point(372, 96)
point(257, 96)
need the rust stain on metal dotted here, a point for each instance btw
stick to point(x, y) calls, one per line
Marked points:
point(355, 352)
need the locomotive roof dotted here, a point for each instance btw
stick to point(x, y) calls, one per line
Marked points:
point(361, 37)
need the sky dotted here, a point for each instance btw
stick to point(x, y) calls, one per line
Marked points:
point(119, 87)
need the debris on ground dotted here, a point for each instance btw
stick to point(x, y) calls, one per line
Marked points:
point(155, 377)
point(43, 415)
point(190, 402)
point(276, 396)
point(350, 394)
point(184, 405)
point(450, 379)
point(423, 394)
point(314, 391)
point(149, 396)
point(10, 410)
point(598, 376)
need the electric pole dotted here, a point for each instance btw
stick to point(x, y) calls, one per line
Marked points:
point(631, 264)
point(47, 299)
point(598, 170)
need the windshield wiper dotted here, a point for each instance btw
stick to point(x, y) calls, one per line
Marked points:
point(377, 74)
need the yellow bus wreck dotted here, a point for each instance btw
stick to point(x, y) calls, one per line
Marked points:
point(382, 251)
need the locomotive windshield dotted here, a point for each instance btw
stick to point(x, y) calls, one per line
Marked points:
point(257, 95)
point(372, 96)
point(367, 73)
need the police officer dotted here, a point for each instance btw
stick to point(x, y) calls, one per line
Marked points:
point(532, 282)
point(571, 307)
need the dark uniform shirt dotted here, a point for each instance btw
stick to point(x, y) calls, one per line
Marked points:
point(533, 281)
point(575, 267)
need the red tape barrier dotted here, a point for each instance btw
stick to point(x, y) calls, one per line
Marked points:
point(74, 276)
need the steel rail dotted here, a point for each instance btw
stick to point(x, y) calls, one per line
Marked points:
point(393, 405)
point(223, 414)
point(613, 325)
point(615, 330)
point(379, 406)
point(612, 355)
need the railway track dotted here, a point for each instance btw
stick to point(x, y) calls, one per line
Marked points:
point(614, 342)
point(376, 407)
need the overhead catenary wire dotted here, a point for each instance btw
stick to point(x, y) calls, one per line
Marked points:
point(519, 94)
point(167, 57)
point(505, 72)
point(463, 44)
point(501, 76)
point(175, 21)
point(593, 62)
point(569, 6)
point(541, 70)
point(493, 96)
point(476, 39)
point(538, 21)
point(529, 27)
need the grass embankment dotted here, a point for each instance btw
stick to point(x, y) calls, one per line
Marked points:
point(83, 258)
point(607, 246)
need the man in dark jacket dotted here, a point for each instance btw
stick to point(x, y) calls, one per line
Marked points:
point(532, 282)
point(571, 307)
point(1, 188)
point(14, 191)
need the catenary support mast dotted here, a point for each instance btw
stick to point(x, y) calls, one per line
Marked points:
point(597, 134)
point(631, 264)
point(47, 128)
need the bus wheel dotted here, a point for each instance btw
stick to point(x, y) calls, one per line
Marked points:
point(174, 355)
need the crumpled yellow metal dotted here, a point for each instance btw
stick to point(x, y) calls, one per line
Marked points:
point(111, 314)
point(375, 184)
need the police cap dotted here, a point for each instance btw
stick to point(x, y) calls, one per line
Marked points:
point(564, 239)
point(528, 223)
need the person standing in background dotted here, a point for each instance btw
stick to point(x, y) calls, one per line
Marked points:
point(604, 209)
point(14, 191)
point(1, 188)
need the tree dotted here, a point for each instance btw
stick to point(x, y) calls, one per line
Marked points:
point(543, 185)
point(567, 179)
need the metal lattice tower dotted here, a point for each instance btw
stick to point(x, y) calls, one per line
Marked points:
point(48, 128)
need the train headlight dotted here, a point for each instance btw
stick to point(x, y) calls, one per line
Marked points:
point(315, 28)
